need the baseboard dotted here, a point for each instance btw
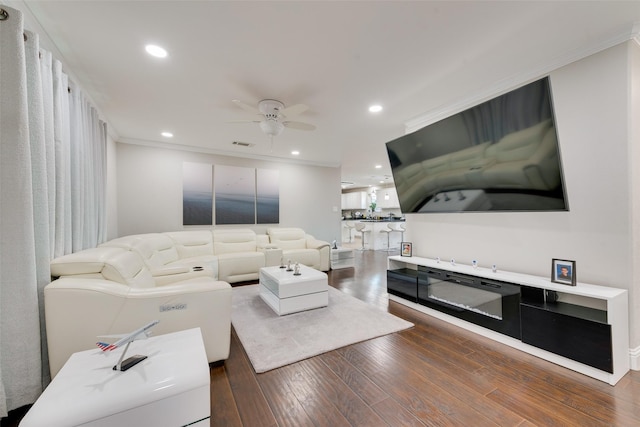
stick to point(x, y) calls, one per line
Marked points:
point(634, 358)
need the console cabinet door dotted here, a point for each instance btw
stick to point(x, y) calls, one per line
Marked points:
point(403, 283)
point(582, 340)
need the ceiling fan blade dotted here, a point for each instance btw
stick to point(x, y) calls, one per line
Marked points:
point(294, 110)
point(246, 107)
point(299, 125)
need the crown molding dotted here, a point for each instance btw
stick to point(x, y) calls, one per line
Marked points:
point(512, 82)
point(635, 33)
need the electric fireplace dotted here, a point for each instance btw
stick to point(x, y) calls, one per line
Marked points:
point(489, 303)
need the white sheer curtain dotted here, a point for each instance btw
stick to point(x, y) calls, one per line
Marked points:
point(52, 197)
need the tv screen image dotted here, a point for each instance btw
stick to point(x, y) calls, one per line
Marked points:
point(501, 155)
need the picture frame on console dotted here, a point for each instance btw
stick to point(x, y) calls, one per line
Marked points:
point(407, 249)
point(563, 272)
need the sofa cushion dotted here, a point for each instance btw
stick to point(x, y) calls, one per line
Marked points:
point(308, 257)
point(193, 243)
point(128, 268)
point(234, 241)
point(156, 249)
point(288, 238)
point(240, 266)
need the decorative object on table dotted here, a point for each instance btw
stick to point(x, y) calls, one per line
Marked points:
point(453, 261)
point(437, 260)
point(494, 268)
point(407, 249)
point(334, 244)
point(474, 263)
point(289, 266)
point(126, 339)
point(563, 272)
point(282, 262)
point(296, 269)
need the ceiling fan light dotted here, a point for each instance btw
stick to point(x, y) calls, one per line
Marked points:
point(271, 127)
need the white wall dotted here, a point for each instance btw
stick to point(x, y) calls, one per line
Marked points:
point(591, 100)
point(150, 191)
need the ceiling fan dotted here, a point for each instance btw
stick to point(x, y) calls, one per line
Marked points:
point(275, 116)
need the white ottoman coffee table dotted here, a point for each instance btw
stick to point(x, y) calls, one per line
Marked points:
point(170, 388)
point(286, 293)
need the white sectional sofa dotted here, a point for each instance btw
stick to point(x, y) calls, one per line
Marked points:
point(180, 278)
point(228, 254)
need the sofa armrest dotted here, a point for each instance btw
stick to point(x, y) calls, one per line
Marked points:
point(272, 255)
point(168, 271)
point(316, 244)
point(173, 279)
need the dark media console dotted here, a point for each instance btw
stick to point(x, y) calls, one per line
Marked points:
point(583, 327)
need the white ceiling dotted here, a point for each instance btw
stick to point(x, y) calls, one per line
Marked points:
point(417, 59)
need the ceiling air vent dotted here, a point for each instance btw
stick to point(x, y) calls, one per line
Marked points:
point(242, 144)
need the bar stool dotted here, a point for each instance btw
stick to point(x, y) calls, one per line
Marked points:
point(362, 228)
point(400, 228)
point(388, 230)
point(350, 227)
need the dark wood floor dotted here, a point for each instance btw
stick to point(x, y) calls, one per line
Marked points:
point(431, 374)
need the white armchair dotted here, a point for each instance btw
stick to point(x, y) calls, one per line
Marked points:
point(109, 290)
point(300, 247)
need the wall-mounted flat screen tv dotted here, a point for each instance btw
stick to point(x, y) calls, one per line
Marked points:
point(501, 155)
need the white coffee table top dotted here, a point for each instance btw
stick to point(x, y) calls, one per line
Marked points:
point(87, 388)
point(285, 284)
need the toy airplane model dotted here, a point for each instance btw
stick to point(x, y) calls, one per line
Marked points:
point(126, 339)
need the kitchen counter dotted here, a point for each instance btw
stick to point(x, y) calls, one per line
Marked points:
point(376, 238)
point(383, 219)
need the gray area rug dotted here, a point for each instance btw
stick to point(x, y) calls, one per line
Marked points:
point(272, 341)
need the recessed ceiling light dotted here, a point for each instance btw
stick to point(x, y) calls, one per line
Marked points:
point(375, 108)
point(167, 134)
point(378, 166)
point(295, 152)
point(156, 51)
